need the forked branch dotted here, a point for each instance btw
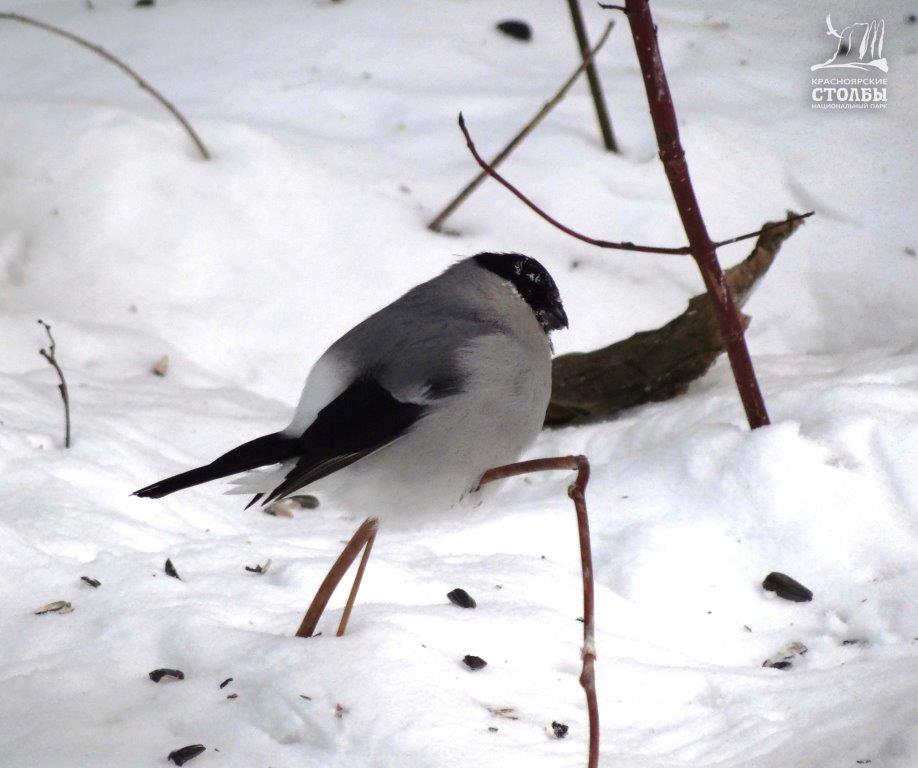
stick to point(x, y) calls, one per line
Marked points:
point(111, 58)
point(577, 493)
point(50, 354)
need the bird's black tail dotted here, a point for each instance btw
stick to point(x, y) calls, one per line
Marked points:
point(261, 452)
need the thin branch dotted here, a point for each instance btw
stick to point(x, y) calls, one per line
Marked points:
point(553, 221)
point(599, 101)
point(50, 354)
point(666, 128)
point(684, 250)
point(118, 63)
point(791, 217)
point(436, 224)
point(577, 493)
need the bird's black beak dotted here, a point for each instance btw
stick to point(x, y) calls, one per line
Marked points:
point(555, 318)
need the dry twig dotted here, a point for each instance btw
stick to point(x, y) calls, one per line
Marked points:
point(577, 492)
point(50, 355)
point(111, 58)
point(599, 101)
point(436, 224)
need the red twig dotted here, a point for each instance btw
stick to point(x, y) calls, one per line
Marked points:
point(684, 250)
point(663, 115)
point(111, 58)
point(553, 221)
point(577, 492)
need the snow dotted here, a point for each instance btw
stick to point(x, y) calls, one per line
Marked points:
point(332, 127)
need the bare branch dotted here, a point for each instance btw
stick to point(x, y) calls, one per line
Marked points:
point(98, 50)
point(683, 251)
point(599, 100)
point(436, 224)
point(50, 355)
point(577, 493)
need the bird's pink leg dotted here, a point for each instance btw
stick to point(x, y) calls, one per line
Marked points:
point(363, 538)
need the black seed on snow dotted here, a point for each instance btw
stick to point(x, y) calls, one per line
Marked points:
point(461, 598)
point(474, 662)
point(233, 696)
point(559, 729)
point(226, 682)
point(786, 587)
point(158, 674)
point(183, 755)
point(259, 568)
point(518, 30)
point(144, 3)
point(92, 582)
point(304, 696)
point(492, 729)
point(170, 570)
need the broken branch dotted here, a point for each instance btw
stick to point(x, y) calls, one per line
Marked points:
point(599, 101)
point(652, 366)
point(50, 354)
point(111, 58)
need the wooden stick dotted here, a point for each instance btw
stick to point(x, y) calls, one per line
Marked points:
point(436, 224)
point(666, 127)
point(577, 493)
point(599, 101)
point(50, 354)
point(98, 50)
point(364, 533)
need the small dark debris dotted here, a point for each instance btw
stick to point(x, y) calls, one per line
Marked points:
point(784, 586)
point(518, 30)
point(304, 696)
point(233, 696)
point(559, 729)
point(170, 570)
point(854, 641)
point(747, 627)
point(911, 19)
point(144, 3)
point(909, 251)
point(461, 598)
point(306, 501)
point(92, 582)
point(158, 674)
point(340, 711)
point(493, 728)
point(507, 713)
point(259, 568)
point(865, 762)
point(183, 755)
point(580, 619)
point(226, 682)
point(777, 664)
point(58, 606)
point(474, 662)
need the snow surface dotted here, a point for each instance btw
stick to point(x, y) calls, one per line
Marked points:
point(333, 132)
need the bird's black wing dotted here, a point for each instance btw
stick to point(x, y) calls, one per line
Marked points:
point(362, 419)
point(261, 452)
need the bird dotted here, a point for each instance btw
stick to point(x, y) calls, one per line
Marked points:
point(411, 406)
